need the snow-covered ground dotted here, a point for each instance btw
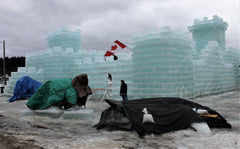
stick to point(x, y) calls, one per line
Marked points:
point(44, 132)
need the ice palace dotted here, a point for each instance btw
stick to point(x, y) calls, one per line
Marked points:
point(163, 64)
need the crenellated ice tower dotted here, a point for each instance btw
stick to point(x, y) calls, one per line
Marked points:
point(215, 70)
point(208, 30)
point(163, 64)
point(64, 39)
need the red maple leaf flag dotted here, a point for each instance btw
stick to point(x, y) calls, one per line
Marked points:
point(113, 47)
point(120, 44)
point(108, 53)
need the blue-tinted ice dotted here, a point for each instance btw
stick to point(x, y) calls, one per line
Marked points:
point(167, 63)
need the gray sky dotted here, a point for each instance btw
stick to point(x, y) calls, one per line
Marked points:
point(24, 24)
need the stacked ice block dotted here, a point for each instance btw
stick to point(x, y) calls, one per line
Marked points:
point(56, 63)
point(208, 30)
point(162, 65)
point(211, 74)
point(64, 38)
point(97, 69)
point(232, 58)
point(22, 71)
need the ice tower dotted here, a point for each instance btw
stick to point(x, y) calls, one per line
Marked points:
point(208, 30)
point(162, 65)
point(64, 38)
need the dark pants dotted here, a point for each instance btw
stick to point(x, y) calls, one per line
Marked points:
point(125, 98)
point(82, 101)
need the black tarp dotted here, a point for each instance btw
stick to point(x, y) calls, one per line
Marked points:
point(114, 118)
point(169, 114)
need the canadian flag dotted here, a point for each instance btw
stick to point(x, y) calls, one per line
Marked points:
point(118, 45)
point(108, 53)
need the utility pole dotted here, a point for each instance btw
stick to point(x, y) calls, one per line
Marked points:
point(4, 67)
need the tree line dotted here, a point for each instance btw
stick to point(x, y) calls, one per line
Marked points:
point(11, 64)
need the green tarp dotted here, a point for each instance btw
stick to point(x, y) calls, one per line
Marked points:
point(52, 92)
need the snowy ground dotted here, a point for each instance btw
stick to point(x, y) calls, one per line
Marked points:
point(43, 132)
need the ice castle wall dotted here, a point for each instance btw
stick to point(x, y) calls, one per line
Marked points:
point(58, 63)
point(216, 69)
point(64, 38)
point(98, 70)
point(208, 30)
point(232, 58)
point(212, 74)
point(162, 64)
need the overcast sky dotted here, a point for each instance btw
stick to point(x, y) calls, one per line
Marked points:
point(24, 24)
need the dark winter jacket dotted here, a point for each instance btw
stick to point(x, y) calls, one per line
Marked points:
point(123, 90)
